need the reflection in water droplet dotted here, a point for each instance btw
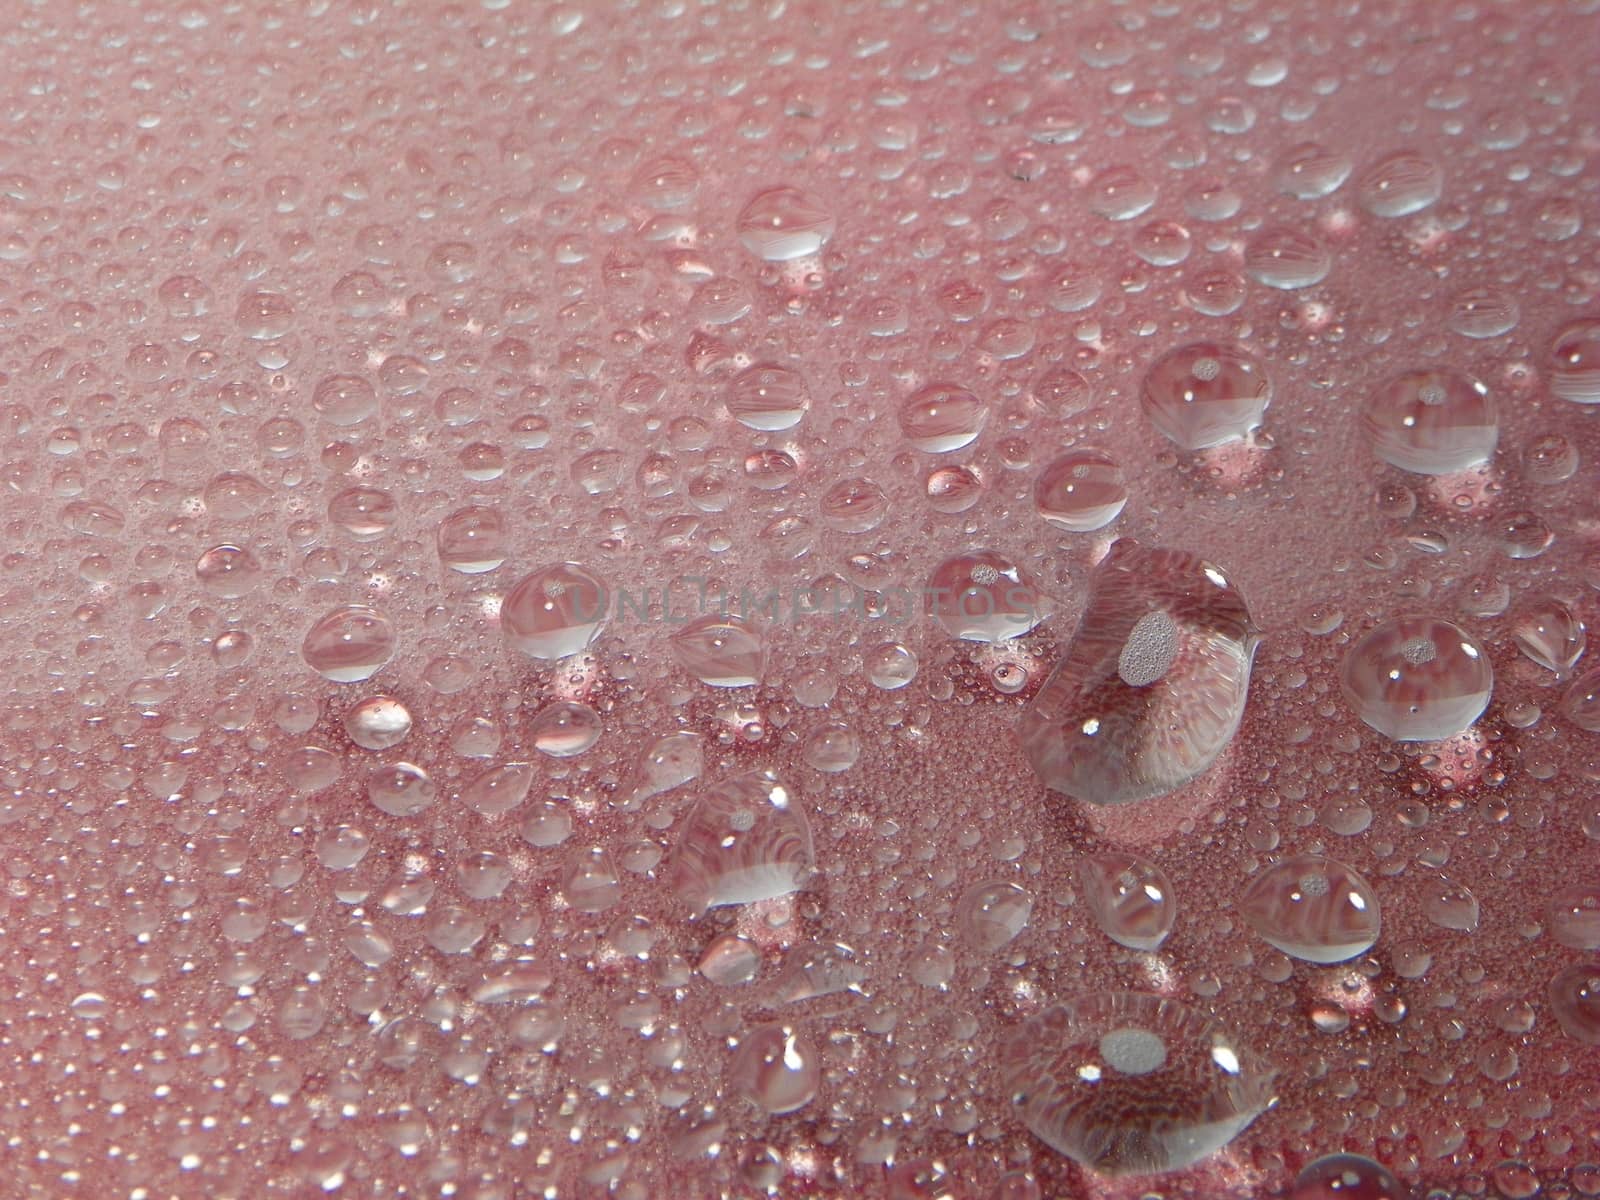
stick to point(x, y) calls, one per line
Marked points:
point(1312, 908)
point(564, 729)
point(721, 651)
point(746, 839)
point(1433, 422)
point(784, 223)
point(1310, 170)
point(768, 397)
point(1286, 258)
point(555, 611)
point(1154, 681)
point(1400, 184)
point(890, 666)
point(472, 540)
point(942, 417)
point(1481, 313)
point(984, 597)
point(1205, 394)
point(1418, 679)
point(1081, 491)
point(400, 789)
point(349, 644)
point(1131, 899)
point(1347, 1177)
point(776, 1067)
point(1127, 1083)
point(378, 722)
point(1575, 362)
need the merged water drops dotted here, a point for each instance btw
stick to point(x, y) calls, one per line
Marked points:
point(983, 596)
point(1418, 679)
point(1204, 394)
point(1081, 491)
point(555, 611)
point(1153, 684)
point(349, 644)
point(784, 223)
point(1131, 898)
point(1312, 908)
point(746, 839)
point(1127, 1083)
point(1433, 422)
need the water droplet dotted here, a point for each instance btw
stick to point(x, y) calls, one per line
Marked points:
point(1153, 684)
point(1081, 491)
point(942, 417)
point(1120, 193)
point(1205, 394)
point(785, 223)
point(555, 611)
point(499, 789)
point(745, 840)
point(378, 722)
point(1347, 1177)
point(400, 789)
point(349, 644)
point(1550, 458)
point(983, 596)
point(1574, 994)
point(228, 571)
point(472, 540)
point(1450, 905)
point(1574, 913)
point(1131, 899)
point(953, 490)
point(1550, 633)
point(1481, 313)
point(564, 729)
point(1433, 422)
point(345, 399)
point(1312, 908)
point(768, 397)
point(992, 915)
point(1126, 1083)
point(1286, 258)
point(721, 651)
point(1575, 362)
point(832, 748)
point(1581, 701)
point(1418, 679)
point(1400, 184)
point(777, 1068)
point(854, 506)
point(1310, 170)
point(890, 666)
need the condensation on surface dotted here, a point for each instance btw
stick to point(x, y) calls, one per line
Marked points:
point(531, 530)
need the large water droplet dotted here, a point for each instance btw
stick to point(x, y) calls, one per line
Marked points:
point(556, 611)
point(784, 223)
point(776, 1067)
point(1400, 184)
point(1347, 1177)
point(400, 789)
point(1205, 394)
point(1127, 1083)
point(1418, 679)
point(1550, 633)
point(472, 540)
point(984, 597)
point(1581, 702)
point(1080, 491)
point(349, 644)
point(991, 915)
point(1130, 897)
point(1312, 908)
point(746, 839)
point(942, 417)
point(1575, 362)
point(1450, 905)
point(1310, 170)
point(1286, 258)
point(1574, 913)
point(1433, 422)
point(1153, 684)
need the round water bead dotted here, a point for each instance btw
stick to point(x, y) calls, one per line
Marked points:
point(1128, 1083)
point(777, 1068)
point(991, 915)
point(785, 223)
point(556, 611)
point(721, 651)
point(1081, 491)
point(1347, 1177)
point(1312, 908)
point(1418, 679)
point(890, 666)
point(1400, 184)
point(1153, 684)
point(983, 597)
point(768, 397)
point(378, 722)
point(1574, 916)
point(1574, 995)
point(1286, 258)
point(942, 417)
point(1575, 361)
point(564, 729)
point(349, 644)
point(854, 505)
point(1130, 897)
point(1433, 422)
point(400, 789)
point(1205, 394)
point(472, 540)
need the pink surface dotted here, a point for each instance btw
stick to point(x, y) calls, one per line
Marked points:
point(312, 306)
